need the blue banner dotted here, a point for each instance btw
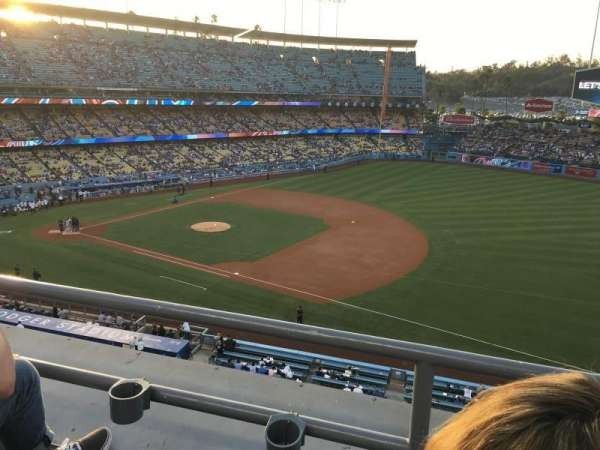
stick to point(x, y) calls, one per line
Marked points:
point(8, 143)
point(92, 332)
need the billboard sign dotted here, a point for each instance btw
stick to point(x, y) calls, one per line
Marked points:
point(594, 113)
point(585, 172)
point(539, 105)
point(458, 119)
point(587, 85)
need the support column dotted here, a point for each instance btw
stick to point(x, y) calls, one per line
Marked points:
point(421, 405)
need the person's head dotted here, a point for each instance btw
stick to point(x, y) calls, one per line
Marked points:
point(550, 412)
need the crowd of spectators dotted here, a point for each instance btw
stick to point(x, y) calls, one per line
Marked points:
point(53, 123)
point(345, 376)
point(266, 365)
point(563, 145)
point(192, 159)
point(79, 56)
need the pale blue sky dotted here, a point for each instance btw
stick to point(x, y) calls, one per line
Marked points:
point(451, 34)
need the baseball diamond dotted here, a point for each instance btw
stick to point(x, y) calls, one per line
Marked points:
point(430, 245)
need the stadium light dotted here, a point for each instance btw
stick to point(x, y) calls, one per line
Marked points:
point(594, 38)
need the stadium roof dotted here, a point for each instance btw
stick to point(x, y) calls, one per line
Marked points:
point(133, 19)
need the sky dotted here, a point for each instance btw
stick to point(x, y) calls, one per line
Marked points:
point(455, 34)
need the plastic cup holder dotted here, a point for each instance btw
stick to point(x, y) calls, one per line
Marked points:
point(285, 431)
point(128, 400)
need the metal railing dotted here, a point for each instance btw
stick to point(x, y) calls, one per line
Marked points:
point(425, 358)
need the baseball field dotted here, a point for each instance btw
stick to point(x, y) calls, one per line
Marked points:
point(489, 261)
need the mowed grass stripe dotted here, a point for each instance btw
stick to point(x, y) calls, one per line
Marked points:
point(513, 259)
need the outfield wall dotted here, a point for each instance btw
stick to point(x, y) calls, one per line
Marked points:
point(537, 167)
point(159, 181)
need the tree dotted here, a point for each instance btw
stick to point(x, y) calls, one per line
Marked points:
point(213, 18)
point(550, 77)
point(459, 109)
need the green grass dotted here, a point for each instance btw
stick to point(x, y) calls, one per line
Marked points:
point(254, 234)
point(514, 260)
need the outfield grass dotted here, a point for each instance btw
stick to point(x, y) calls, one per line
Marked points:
point(514, 260)
point(169, 232)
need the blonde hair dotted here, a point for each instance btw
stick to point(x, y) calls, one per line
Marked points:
point(550, 412)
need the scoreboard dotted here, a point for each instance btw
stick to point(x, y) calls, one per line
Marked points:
point(587, 85)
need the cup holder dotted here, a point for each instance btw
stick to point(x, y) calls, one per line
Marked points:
point(128, 400)
point(285, 431)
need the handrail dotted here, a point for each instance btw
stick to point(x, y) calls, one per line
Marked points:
point(316, 427)
point(426, 357)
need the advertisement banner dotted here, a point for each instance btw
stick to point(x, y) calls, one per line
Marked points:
point(539, 105)
point(546, 168)
point(7, 143)
point(93, 332)
point(482, 161)
point(76, 101)
point(585, 172)
point(594, 113)
point(458, 119)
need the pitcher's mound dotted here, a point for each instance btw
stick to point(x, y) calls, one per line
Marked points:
point(211, 227)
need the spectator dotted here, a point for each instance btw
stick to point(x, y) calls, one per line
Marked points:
point(219, 348)
point(161, 330)
point(299, 315)
point(139, 345)
point(287, 372)
point(22, 415)
point(550, 412)
point(55, 312)
point(185, 330)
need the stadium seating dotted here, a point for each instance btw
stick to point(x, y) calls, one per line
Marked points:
point(549, 144)
point(373, 378)
point(217, 157)
point(25, 123)
point(71, 55)
point(448, 393)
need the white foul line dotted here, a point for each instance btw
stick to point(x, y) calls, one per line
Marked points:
point(412, 322)
point(183, 282)
point(228, 274)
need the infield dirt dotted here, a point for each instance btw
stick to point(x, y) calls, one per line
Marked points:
point(363, 248)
